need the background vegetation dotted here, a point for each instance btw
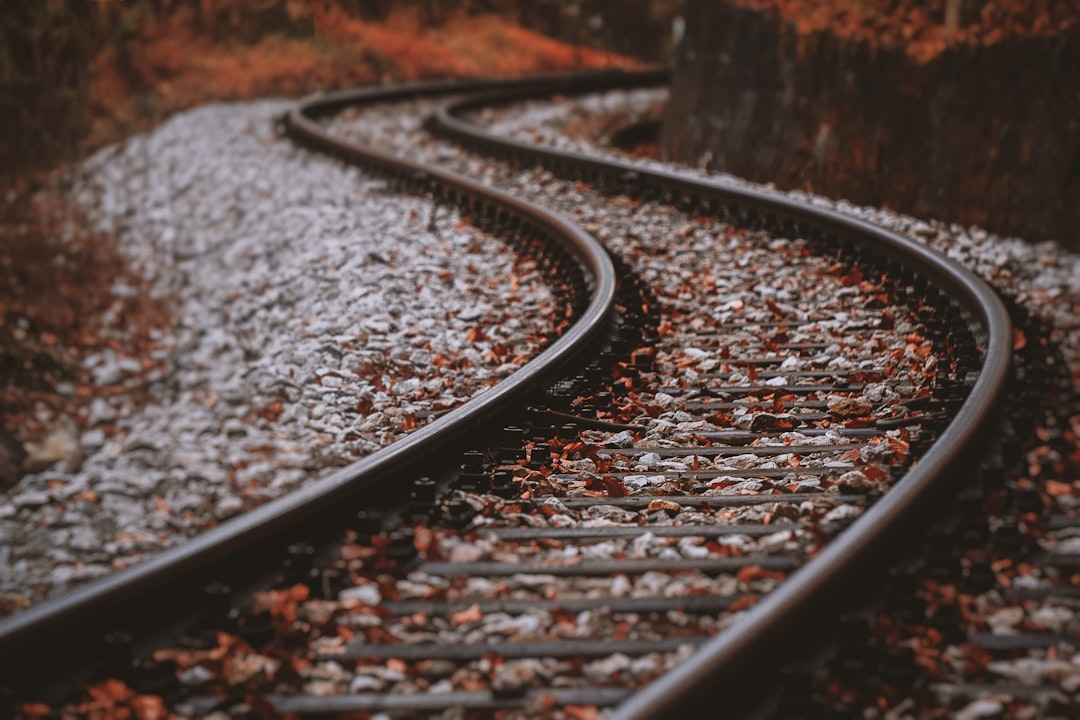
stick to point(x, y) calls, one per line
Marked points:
point(76, 74)
point(79, 74)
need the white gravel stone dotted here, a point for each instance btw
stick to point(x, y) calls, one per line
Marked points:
point(317, 315)
point(981, 709)
point(733, 303)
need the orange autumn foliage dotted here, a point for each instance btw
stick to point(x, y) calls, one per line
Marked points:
point(920, 27)
point(170, 65)
point(113, 699)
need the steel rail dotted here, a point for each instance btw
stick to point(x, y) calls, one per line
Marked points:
point(722, 661)
point(28, 634)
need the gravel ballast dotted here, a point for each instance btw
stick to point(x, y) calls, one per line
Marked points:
point(239, 365)
point(1044, 282)
point(1043, 279)
point(318, 316)
point(715, 292)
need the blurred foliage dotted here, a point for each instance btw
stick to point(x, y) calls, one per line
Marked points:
point(925, 28)
point(644, 29)
point(45, 52)
point(75, 74)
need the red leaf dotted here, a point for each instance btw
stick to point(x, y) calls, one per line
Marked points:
point(271, 411)
point(606, 484)
point(1019, 339)
point(743, 603)
point(470, 614)
point(875, 473)
point(774, 309)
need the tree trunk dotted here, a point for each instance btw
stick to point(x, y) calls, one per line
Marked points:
point(986, 135)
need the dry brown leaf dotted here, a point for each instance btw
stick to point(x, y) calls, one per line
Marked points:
point(149, 707)
point(469, 615)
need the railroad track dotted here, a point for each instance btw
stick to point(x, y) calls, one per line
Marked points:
point(710, 447)
point(979, 618)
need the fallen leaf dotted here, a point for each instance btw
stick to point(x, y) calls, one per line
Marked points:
point(110, 691)
point(665, 505)
point(845, 407)
point(469, 615)
point(1055, 488)
point(743, 603)
point(751, 573)
point(272, 411)
point(581, 712)
point(610, 486)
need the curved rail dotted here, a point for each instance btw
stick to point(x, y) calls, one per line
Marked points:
point(723, 659)
point(720, 661)
point(28, 632)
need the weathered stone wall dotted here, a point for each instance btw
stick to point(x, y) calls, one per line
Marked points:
point(984, 135)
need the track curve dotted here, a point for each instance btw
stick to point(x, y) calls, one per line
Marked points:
point(726, 655)
point(724, 659)
point(55, 619)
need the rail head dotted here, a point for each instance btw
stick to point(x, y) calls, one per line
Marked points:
point(723, 658)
